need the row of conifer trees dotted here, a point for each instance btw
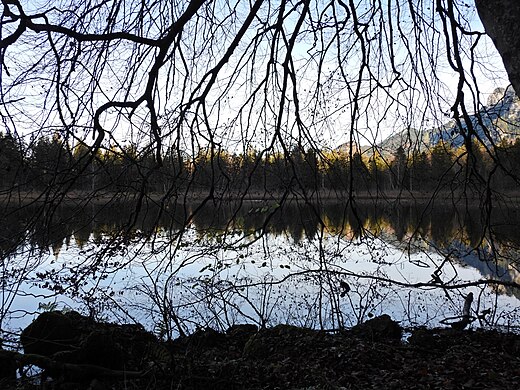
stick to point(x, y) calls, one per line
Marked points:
point(49, 162)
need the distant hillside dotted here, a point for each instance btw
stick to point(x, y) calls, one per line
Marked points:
point(500, 117)
point(412, 139)
point(345, 148)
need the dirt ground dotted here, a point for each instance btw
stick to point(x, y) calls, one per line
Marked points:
point(377, 354)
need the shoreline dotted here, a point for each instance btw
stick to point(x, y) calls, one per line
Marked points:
point(24, 198)
point(372, 354)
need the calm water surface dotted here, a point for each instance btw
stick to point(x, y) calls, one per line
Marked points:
point(259, 262)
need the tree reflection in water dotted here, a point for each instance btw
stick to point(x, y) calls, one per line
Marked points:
point(261, 262)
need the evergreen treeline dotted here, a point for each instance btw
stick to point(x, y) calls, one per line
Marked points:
point(52, 162)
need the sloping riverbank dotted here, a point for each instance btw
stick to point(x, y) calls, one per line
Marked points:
point(371, 355)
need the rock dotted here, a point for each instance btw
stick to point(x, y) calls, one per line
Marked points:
point(7, 368)
point(424, 338)
point(73, 338)
point(378, 328)
point(100, 348)
point(240, 334)
point(208, 338)
point(506, 95)
point(49, 333)
point(246, 330)
point(275, 341)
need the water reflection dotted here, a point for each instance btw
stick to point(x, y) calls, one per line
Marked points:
point(440, 224)
point(488, 243)
point(312, 248)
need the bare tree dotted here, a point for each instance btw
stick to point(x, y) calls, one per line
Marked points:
point(195, 83)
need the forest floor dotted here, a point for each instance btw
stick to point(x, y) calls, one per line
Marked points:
point(375, 355)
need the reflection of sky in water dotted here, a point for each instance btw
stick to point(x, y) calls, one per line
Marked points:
point(273, 280)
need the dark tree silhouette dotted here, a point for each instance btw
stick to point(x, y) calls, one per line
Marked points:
point(500, 19)
point(220, 116)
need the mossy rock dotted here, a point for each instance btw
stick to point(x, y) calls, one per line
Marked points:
point(49, 333)
point(101, 348)
point(378, 329)
point(73, 338)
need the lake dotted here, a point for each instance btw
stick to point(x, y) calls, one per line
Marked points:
point(326, 265)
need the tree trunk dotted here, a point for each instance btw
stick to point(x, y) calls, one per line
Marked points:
point(501, 19)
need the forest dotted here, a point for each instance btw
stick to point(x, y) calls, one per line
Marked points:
point(52, 164)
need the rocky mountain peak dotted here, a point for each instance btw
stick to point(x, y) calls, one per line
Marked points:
point(504, 95)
